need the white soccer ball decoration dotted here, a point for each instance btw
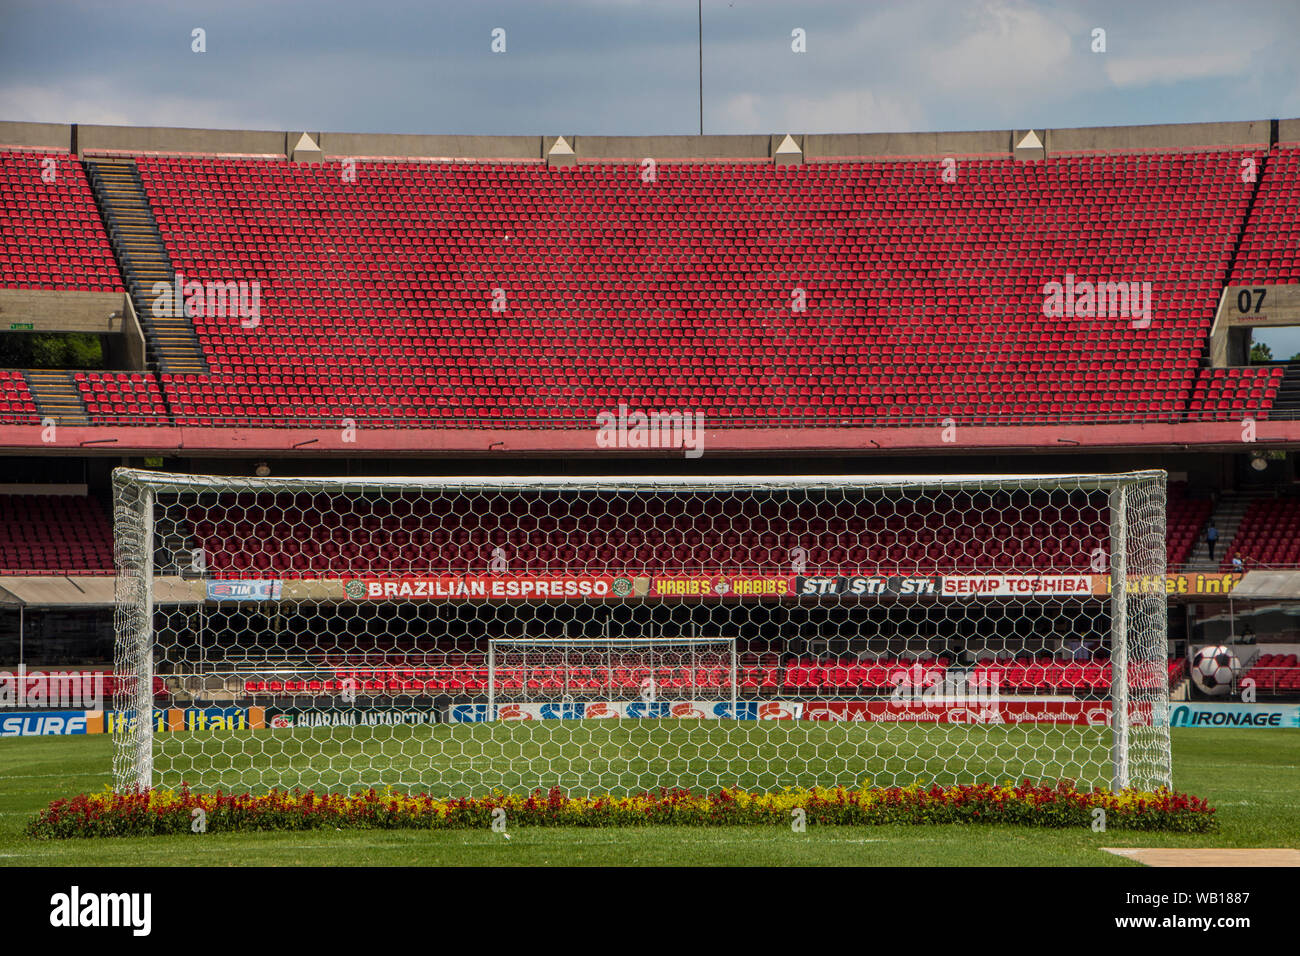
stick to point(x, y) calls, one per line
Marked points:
point(1213, 669)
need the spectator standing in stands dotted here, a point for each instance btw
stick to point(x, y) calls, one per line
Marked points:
point(1238, 565)
point(1211, 538)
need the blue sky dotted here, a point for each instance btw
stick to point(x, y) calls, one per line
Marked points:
point(630, 66)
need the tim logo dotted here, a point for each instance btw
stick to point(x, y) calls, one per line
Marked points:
point(245, 590)
point(76, 909)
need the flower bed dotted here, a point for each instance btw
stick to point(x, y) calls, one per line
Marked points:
point(150, 812)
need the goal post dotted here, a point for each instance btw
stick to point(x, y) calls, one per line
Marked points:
point(455, 635)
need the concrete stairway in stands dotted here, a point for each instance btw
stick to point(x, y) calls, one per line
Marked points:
point(1227, 519)
point(56, 396)
point(1288, 393)
point(171, 344)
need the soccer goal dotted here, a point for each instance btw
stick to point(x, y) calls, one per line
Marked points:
point(602, 635)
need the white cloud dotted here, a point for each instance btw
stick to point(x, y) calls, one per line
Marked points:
point(1194, 65)
point(1002, 48)
point(861, 110)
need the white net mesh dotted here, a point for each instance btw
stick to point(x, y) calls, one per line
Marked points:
point(610, 636)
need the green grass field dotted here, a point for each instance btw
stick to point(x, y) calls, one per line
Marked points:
point(1251, 776)
point(628, 756)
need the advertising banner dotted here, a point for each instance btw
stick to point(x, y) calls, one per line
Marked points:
point(47, 723)
point(175, 718)
point(1173, 584)
point(631, 709)
point(856, 585)
point(1078, 712)
point(244, 590)
point(499, 587)
point(721, 585)
point(297, 717)
point(1018, 585)
point(1229, 714)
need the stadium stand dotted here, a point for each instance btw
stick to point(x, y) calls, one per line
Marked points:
point(1185, 523)
point(1270, 248)
point(16, 402)
point(1275, 673)
point(1268, 536)
point(419, 537)
point(925, 298)
point(113, 396)
point(422, 535)
point(1228, 394)
point(54, 534)
point(423, 540)
point(51, 236)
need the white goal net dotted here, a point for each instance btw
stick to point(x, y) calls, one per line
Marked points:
point(604, 635)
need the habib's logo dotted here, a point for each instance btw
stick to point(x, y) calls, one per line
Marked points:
point(600, 711)
point(686, 709)
point(512, 712)
point(774, 710)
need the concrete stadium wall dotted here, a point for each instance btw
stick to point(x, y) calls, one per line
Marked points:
point(1170, 136)
point(337, 145)
point(167, 139)
point(99, 313)
point(595, 148)
point(83, 139)
point(901, 145)
point(54, 136)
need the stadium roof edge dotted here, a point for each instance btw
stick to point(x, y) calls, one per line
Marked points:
point(91, 139)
